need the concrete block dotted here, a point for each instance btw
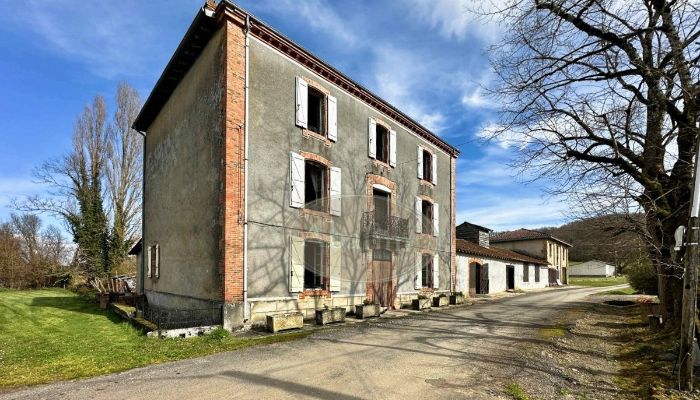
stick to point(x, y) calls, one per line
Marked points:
point(233, 316)
point(363, 311)
point(330, 315)
point(281, 322)
point(440, 301)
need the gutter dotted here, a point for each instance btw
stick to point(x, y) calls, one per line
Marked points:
point(246, 307)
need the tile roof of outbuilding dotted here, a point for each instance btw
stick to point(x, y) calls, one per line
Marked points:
point(474, 249)
point(524, 234)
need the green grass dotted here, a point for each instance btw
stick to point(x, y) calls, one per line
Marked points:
point(552, 332)
point(515, 391)
point(598, 282)
point(52, 334)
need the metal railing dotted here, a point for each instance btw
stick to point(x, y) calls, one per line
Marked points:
point(385, 226)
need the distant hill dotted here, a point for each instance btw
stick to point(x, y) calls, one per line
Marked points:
point(609, 238)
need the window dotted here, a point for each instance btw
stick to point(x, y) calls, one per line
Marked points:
point(315, 186)
point(526, 272)
point(427, 270)
point(316, 111)
point(381, 255)
point(427, 214)
point(382, 144)
point(315, 261)
point(537, 273)
point(153, 260)
point(427, 166)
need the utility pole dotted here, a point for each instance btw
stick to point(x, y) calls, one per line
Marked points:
point(690, 281)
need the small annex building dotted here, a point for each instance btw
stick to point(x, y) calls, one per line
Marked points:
point(482, 269)
point(592, 268)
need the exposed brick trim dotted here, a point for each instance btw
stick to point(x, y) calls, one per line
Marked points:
point(232, 166)
point(371, 180)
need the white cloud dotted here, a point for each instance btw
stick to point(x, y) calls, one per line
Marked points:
point(402, 79)
point(458, 19)
point(476, 99)
point(512, 212)
point(110, 38)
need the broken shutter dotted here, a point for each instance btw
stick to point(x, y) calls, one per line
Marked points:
point(436, 271)
point(434, 168)
point(419, 215)
point(392, 148)
point(419, 271)
point(436, 219)
point(419, 155)
point(296, 178)
point(336, 199)
point(157, 251)
point(372, 138)
point(296, 269)
point(148, 261)
point(335, 269)
point(301, 102)
point(332, 118)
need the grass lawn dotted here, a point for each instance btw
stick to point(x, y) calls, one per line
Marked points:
point(598, 282)
point(52, 334)
point(618, 292)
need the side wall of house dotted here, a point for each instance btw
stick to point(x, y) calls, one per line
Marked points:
point(272, 222)
point(497, 273)
point(182, 188)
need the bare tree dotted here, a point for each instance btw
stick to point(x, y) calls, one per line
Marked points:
point(123, 174)
point(602, 97)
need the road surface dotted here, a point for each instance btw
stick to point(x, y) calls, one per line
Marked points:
point(468, 352)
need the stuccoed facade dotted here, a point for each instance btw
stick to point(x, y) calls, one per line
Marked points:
point(227, 223)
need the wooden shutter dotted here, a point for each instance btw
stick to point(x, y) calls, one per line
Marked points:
point(419, 271)
point(335, 267)
point(157, 251)
point(332, 118)
point(436, 271)
point(296, 267)
point(296, 179)
point(392, 148)
point(302, 102)
point(336, 199)
point(434, 156)
point(419, 215)
point(419, 155)
point(436, 219)
point(372, 138)
point(148, 261)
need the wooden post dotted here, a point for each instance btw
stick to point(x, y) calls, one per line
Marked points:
point(690, 282)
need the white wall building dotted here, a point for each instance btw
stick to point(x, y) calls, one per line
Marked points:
point(592, 268)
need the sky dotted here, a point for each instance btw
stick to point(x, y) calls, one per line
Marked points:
point(425, 57)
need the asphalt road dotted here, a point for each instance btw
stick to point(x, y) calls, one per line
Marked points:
point(467, 352)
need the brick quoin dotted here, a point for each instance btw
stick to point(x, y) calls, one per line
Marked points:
point(233, 153)
point(453, 228)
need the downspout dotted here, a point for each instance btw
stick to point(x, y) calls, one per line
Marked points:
point(246, 307)
point(142, 283)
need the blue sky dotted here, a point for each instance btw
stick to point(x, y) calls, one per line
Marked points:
point(425, 57)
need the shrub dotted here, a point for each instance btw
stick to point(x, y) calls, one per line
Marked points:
point(642, 277)
point(219, 334)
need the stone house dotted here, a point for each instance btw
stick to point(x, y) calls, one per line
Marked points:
point(540, 245)
point(483, 269)
point(275, 183)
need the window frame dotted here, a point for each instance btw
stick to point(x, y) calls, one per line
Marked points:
point(427, 166)
point(321, 97)
point(537, 273)
point(383, 156)
point(526, 272)
point(425, 220)
point(325, 190)
point(427, 278)
point(324, 265)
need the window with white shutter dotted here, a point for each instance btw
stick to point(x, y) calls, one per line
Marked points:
point(419, 271)
point(302, 94)
point(332, 118)
point(335, 267)
point(372, 138)
point(436, 271)
point(157, 260)
point(434, 169)
point(336, 195)
point(296, 180)
point(436, 219)
point(296, 265)
point(419, 215)
point(392, 148)
point(148, 262)
point(419, 156)
point(427, 270)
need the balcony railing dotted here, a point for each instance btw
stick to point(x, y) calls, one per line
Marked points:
point(387, 227)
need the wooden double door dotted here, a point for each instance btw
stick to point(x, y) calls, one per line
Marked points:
point(478, 279)
point(383, 286)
